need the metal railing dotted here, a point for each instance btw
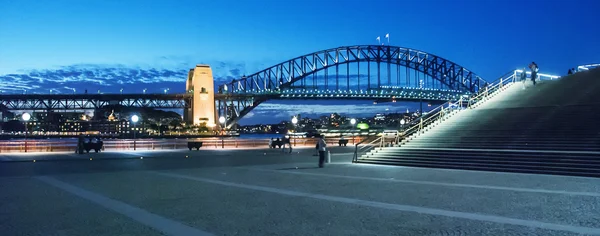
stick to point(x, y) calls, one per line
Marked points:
point(587, 67)
point(498, 85)
point(367, 145)
point(33, 145)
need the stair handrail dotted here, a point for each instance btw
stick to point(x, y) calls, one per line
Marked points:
point(370, 145)
point(440, 111)
point(500, 83)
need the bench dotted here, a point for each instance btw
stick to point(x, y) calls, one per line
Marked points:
point(196, 145)
point(96, 146)
point(343, 142)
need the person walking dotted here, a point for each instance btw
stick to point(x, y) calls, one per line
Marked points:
point(534, 69)
point(524, 76)
point(322, 146)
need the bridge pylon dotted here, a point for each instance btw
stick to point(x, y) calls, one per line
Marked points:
point(200, 84)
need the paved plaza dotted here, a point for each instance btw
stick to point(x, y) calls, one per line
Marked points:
point(267, 192)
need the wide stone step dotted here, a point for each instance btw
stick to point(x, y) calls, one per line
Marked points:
point(505, 138)
point(494, 157)
point(589, 172)
point(507, 146)
point(507, 152)
point(566, 142)
point(545, 164)
point(483, 142)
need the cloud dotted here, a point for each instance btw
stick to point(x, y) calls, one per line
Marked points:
point(110, 78)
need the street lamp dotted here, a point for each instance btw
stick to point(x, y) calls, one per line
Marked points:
point(294, 122)
point(222, 120)
point(121, 90)
point(166, 90)
point(74, 90)
point(26, 116)
point(134, 119)
point(352, 122)
point(145, 90)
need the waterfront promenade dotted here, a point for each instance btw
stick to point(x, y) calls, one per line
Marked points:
point(258, 191)
point(69, 145)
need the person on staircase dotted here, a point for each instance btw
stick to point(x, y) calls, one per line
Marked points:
point(524, 77)
point(534, 69)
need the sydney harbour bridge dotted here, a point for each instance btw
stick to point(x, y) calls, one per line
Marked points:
point(365, 72)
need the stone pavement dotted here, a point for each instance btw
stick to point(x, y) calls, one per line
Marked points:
point(265, 192)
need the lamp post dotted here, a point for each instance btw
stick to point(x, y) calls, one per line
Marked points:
point(222, 120)
point(145, 90)
point(26, 118)
point(294, 122)
point(421, 98)
point(353, 122)
point(121, 90)
point(134, 119)
point(402, 122)
point(166, 90)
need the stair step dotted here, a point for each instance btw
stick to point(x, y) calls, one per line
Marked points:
point(497, 168)
point(531, 160)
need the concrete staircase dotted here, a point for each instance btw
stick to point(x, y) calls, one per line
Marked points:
point(551, 128)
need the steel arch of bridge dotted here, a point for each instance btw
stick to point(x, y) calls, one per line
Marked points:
point(238, 97)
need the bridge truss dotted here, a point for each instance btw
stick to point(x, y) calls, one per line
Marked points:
point(352, 72)
point(46, 102)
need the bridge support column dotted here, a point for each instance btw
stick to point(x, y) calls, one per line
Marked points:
point(200, 83)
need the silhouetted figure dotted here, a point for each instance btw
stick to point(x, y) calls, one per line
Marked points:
point(524, 77)
point(534, 69)
point(322, 146)
point(286, 141)
point(80, 147)
point(570, 72)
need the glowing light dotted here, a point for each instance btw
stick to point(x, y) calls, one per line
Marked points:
point(135, 118)
point(294, 120)
point(362, 126)
point(26, 116)
point(222, 120)
point(352, 121)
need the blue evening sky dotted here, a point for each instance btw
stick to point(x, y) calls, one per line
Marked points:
point(130, 44)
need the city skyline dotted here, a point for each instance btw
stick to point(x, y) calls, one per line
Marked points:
point(108, 46)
